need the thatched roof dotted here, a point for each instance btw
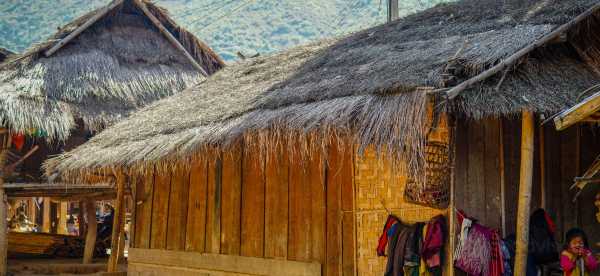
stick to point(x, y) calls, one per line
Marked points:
point(118, 64)
point(4, 53)
point(368, 87)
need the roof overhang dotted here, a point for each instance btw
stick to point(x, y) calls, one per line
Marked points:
point(587, 110)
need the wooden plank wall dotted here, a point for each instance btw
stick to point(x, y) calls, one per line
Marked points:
point(478, 174)
point(243, 204)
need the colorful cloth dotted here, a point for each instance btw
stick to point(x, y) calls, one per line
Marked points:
point(434, 241)
point(577, 266)
point(475, 255)
point(496, 262)
point(383, 239)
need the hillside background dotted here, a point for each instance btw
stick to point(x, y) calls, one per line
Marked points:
point(229, 26)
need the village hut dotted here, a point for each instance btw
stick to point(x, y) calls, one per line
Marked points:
point(93, 72)
point(293, 162)
point(4, 53)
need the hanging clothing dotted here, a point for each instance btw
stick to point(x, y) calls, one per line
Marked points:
point(388, 229)
point(573, 266)
point(395, 263)
point(506, 258)
point(496, 262)
point(18, 140)
point(475, 255)
point(434, 241)
point(542, 245)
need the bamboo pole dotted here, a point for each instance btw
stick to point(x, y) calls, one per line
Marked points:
point(63, 213)
point(525, 187)
point(3, 204)
point(451, 215)
point(46, 215)
point(113, 261)
point(92, 228)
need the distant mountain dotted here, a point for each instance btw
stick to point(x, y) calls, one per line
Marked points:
point(229, 26)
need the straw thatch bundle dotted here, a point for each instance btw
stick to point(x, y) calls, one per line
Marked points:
point(4, 53)
point(370, 87)
point(118, 64)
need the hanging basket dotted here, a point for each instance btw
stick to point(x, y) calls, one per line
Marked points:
point(436, 190)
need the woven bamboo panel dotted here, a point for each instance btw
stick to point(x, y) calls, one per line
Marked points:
point(380, 188)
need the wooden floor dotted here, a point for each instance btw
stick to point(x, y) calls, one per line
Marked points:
point(51, 266)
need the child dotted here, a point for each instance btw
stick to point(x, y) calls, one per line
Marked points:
point(576, 259)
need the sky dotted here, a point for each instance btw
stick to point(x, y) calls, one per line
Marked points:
point(228, 26)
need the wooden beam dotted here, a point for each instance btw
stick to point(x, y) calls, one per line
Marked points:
point(525, 187)
point(579, 112)
point(514, 58)
point(542, 168)
point(101, 13)
point(215, 264)
point(169, 36)
point(92, 228)
point(117, 230)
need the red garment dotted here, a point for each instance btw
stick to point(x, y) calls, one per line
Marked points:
point(383, 239)
point(18, 140)
point(550, 223)
point(496, 261)
point(434, 241)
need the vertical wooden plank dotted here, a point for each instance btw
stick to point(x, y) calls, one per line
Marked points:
point(569, 158)
point(300, 218)
point(253, 204)
point(118, 224)
point(349, 211)
point(512, 155)
point(178, 205)
point(46, 215)
point(317, 206)
point(195, 233)
point(143, 205)
point(231, 203)
point(63, 214)
point(492, 173)
point(333, 264)
point(553, 177)
point(276, 204)
point(476, 176)
point(90, 237)
point(160, 209)
point(213, 213)
point(462, 164)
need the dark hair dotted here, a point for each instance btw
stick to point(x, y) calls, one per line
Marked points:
point(574, 233)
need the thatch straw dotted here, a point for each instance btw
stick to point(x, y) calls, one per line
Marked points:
point(5, 53)
point(117, 65)
point(366, 88)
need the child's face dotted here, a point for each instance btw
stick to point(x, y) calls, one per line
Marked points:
point(576, 243)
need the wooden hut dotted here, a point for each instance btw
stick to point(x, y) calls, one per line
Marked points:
point(292, 162)
point(93, 72)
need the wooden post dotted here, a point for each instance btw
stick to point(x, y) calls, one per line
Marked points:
point(542, 169)
point(92, 228)
point(113, 261)
point(63, 213)
point(3, 239)
point(392, 10)
point(450, 247)
point(525, 187)
point(46, 215)
point(502, 181)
